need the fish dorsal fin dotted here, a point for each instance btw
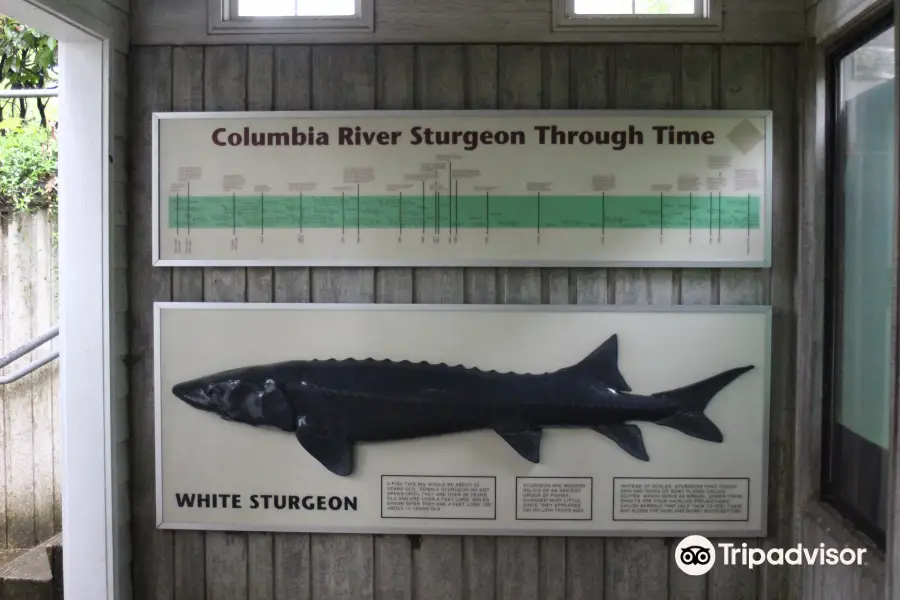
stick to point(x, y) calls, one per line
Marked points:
point(335, 452)
point(627, 437)
point(603, 365)
point(527, 442)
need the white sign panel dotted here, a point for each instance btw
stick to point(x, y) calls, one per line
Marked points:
point(506, 420)
point(430, 188)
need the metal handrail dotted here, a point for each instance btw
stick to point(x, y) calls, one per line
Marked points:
point(25, 349)
point(34, 366)
point(30, 93)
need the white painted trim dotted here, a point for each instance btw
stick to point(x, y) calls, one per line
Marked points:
point(221, 21)
point(90, 556)
point(84, 267)
point(707, 17)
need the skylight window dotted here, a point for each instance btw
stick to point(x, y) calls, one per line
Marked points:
point(636, 7)
point(296, 8)
point(291, 16)
point(637, 14)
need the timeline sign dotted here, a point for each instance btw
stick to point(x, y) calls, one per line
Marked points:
point(442, 188)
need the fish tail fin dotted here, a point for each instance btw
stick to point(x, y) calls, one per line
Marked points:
point(693, 400)
point(603, 364)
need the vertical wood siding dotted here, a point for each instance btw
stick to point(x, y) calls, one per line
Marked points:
point(226, 566)
point(30, 508)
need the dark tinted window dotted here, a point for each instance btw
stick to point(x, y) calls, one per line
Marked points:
point(860, 274)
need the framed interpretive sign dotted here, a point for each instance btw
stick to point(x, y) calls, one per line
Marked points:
point(464, 188)
point(471, 419)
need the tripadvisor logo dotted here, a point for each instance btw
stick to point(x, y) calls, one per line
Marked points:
point(696, 555)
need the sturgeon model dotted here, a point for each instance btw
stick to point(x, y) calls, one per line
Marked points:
point(332, 404)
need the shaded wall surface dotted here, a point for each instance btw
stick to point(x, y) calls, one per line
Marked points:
point(817, 523)
point(223, 565)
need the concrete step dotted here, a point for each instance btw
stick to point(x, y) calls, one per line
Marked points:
point(28, 574)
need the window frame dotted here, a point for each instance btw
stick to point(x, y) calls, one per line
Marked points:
point(223, 19)
point(707, 16)
point(834, 268)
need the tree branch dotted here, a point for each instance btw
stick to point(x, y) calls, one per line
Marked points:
point(41, 101)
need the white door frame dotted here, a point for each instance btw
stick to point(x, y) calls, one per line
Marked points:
point(90, 550)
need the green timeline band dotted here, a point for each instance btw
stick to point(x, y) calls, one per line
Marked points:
point(465, 212)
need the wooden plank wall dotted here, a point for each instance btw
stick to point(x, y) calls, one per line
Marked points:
point(219, 565)
point(186, 22)
point(30, 499)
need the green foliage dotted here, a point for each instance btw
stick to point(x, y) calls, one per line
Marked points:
point(28, 148)
point(28, 158)
point(28, 60)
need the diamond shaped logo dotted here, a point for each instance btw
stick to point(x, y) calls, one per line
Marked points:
point(745, 136)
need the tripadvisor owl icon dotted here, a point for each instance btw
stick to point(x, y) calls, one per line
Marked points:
point(695, 555)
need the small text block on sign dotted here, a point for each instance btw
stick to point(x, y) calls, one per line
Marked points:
point(433, 497)
point(680, 499)
point(554, 498)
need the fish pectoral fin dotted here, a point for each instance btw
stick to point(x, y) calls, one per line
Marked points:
point(527, 442)
point(627, 437)
point(333, 451)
